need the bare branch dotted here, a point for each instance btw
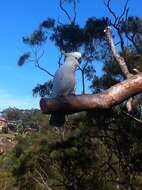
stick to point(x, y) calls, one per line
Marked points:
point(131, 38)
point(83, 82)
point(41, 179)
point(129, 104)
point(124, 12)
point(60, 58)
point(64, 10)
point(117, 21)
point(117, 56)
point(107, 4)
point(82, 70)
point(74, 8)
point(41, 68)
point(36, 59)
point(111, 97)
point(132, 117)
point(71, 19)
point(117, 18)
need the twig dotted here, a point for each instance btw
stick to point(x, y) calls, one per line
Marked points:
point(74, 8)
point(132, 117)
point(36, 59)
point(64, 10)
point(107, 4)
point(118, 20)
point(60, 58)
point(41, 68)
point(125, 11)
point(44, 182)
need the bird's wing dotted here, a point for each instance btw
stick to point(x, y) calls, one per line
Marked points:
point(64, 82)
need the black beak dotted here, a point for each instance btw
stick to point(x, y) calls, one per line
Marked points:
point(79, 60)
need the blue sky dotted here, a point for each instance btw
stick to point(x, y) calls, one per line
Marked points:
point(20, 18)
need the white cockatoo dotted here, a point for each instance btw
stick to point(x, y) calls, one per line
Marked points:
point(64, 83)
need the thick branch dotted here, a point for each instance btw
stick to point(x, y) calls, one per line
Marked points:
point(120, 60)
point(111, 97)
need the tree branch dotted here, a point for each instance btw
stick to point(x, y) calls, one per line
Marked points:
point(36, 61)
point(124, 12)
point(71, 19)
point(74, 8)
point(132, 117)
point(64, 10)
point(132, 40)
point(41, 68)
point(105, 100)
point(107, 4)
point(82, 70)
point(120, 60)
point(60, 58)
point(117, 20)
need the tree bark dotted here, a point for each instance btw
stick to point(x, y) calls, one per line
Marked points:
point(120, 60)
point(104, 100)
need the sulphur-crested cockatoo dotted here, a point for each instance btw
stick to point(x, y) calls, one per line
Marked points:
point(64, 83)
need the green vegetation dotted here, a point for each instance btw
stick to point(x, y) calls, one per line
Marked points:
point(25, 119)
point(96, 150)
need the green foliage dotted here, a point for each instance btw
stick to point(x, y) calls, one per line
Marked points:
point(94, 28)
point(11, 114)
point(7, 181)
point(99, 150)
point(37, 38)
point(48, 24)
point(133, 24)
point(43, 90)
point(132, 28)
point(96, 150)
point(23, 58)
point(65, 39)
point(26, 118)
point(69, 164)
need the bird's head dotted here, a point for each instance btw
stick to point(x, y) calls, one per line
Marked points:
point(76, 55)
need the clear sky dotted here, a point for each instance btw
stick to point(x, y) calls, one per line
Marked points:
point(20, 18)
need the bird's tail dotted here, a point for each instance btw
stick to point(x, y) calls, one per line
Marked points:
point(57, 120)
